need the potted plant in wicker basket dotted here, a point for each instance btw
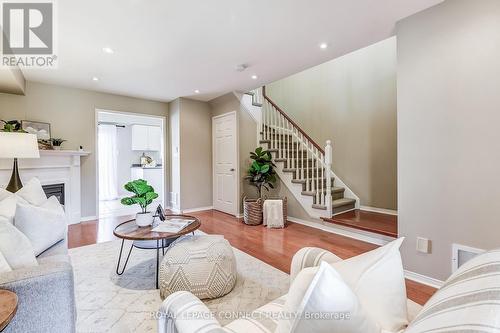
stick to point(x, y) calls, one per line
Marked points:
point(261, 174)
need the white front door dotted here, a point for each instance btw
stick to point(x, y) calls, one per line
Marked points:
point(225, 156)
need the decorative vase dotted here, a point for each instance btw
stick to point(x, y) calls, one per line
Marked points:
point(57, 147)
point(144, 219)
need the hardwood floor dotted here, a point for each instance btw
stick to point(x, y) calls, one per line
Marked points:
point(273, 246)
point(382, 224)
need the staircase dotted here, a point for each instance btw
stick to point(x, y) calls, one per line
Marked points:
point(303, 165)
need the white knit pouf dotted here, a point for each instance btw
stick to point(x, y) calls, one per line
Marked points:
point(202, 264)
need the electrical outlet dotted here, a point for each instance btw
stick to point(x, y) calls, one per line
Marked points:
point(424, 245)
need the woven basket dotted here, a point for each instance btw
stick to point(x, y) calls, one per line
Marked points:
point(285, 205)
point(252, 211)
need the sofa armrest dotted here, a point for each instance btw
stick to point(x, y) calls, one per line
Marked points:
point(45, 295)
point(310, 257)
point(182, 312)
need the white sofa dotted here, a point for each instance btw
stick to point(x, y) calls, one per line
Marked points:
point(469, 301)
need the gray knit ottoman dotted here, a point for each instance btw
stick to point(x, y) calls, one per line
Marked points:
point(202, 264)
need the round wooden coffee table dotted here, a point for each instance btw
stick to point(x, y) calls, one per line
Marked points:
point(8, 307)
point(148, 239)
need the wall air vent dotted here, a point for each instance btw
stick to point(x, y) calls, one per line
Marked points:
point(462, 254)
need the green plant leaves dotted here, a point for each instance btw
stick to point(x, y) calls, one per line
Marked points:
point(144, 194)
point(261, 173)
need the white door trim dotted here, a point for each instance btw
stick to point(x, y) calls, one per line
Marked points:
point(237, 183)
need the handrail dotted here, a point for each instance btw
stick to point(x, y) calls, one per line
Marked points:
point(294, 124)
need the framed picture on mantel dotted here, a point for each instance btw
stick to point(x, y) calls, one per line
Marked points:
point(41, 130)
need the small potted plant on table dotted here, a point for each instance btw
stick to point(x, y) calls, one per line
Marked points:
point(144, 194)
point(261, 174)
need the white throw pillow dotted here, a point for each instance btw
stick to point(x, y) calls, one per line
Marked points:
point(4, 193)
point(4, 265)
point(33, 192)
point(8, 206)
point(329, 305)
point(377, 278)
point(15, 246)
point(44, 226)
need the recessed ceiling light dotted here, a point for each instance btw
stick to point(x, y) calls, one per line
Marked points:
point(196, 91)
point(323, 46)
point(108, 50)
point(95, 78)
point(254, 77)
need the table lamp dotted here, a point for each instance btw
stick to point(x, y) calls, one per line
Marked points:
point(17, 145)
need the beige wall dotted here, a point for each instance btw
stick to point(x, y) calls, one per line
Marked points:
point(195, 129)
point(352, 101)
point(448, 133)
point(71, 113)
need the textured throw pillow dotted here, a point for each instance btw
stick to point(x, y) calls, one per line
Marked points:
point(377, 278)
point(469, 301)
point(15, 246)
point(32, 192)
point(44, 226)
point(329, 305)
point(4, 265)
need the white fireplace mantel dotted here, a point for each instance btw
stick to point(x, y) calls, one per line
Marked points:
point(53, 167)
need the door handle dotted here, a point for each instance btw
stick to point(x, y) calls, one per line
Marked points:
point(232, 169)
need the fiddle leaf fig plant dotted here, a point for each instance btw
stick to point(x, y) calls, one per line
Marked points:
point(144, 194)
point(261, 173)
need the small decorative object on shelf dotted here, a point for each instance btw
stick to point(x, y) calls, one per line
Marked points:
point(261, 174)
point(144, 194)
point(57, 143)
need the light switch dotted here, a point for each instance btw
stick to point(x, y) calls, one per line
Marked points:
point(424, 245)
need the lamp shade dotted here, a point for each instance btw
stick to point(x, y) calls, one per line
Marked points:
point(18, 145)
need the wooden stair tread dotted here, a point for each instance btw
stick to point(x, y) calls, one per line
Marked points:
point(343, 202)
point(378, 223)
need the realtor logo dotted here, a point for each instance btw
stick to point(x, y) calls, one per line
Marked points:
point(28, 34)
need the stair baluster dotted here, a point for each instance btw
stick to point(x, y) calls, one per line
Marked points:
point(328, 171)
point(317, 179)
point(308, 184)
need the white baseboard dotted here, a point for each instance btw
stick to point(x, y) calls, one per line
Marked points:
point(423, 279)
point(361, 235)
point(192, 210)
point(379, 210)
point(88, 218)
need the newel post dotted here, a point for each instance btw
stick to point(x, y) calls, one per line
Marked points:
point(328, 171)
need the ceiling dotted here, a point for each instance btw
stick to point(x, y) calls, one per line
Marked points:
point(164, 49)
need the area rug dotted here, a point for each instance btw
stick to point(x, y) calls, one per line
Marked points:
point(107, 302)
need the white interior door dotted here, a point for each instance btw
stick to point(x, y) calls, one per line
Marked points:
point(225, 162)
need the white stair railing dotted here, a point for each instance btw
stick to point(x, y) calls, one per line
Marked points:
point(311, 163)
